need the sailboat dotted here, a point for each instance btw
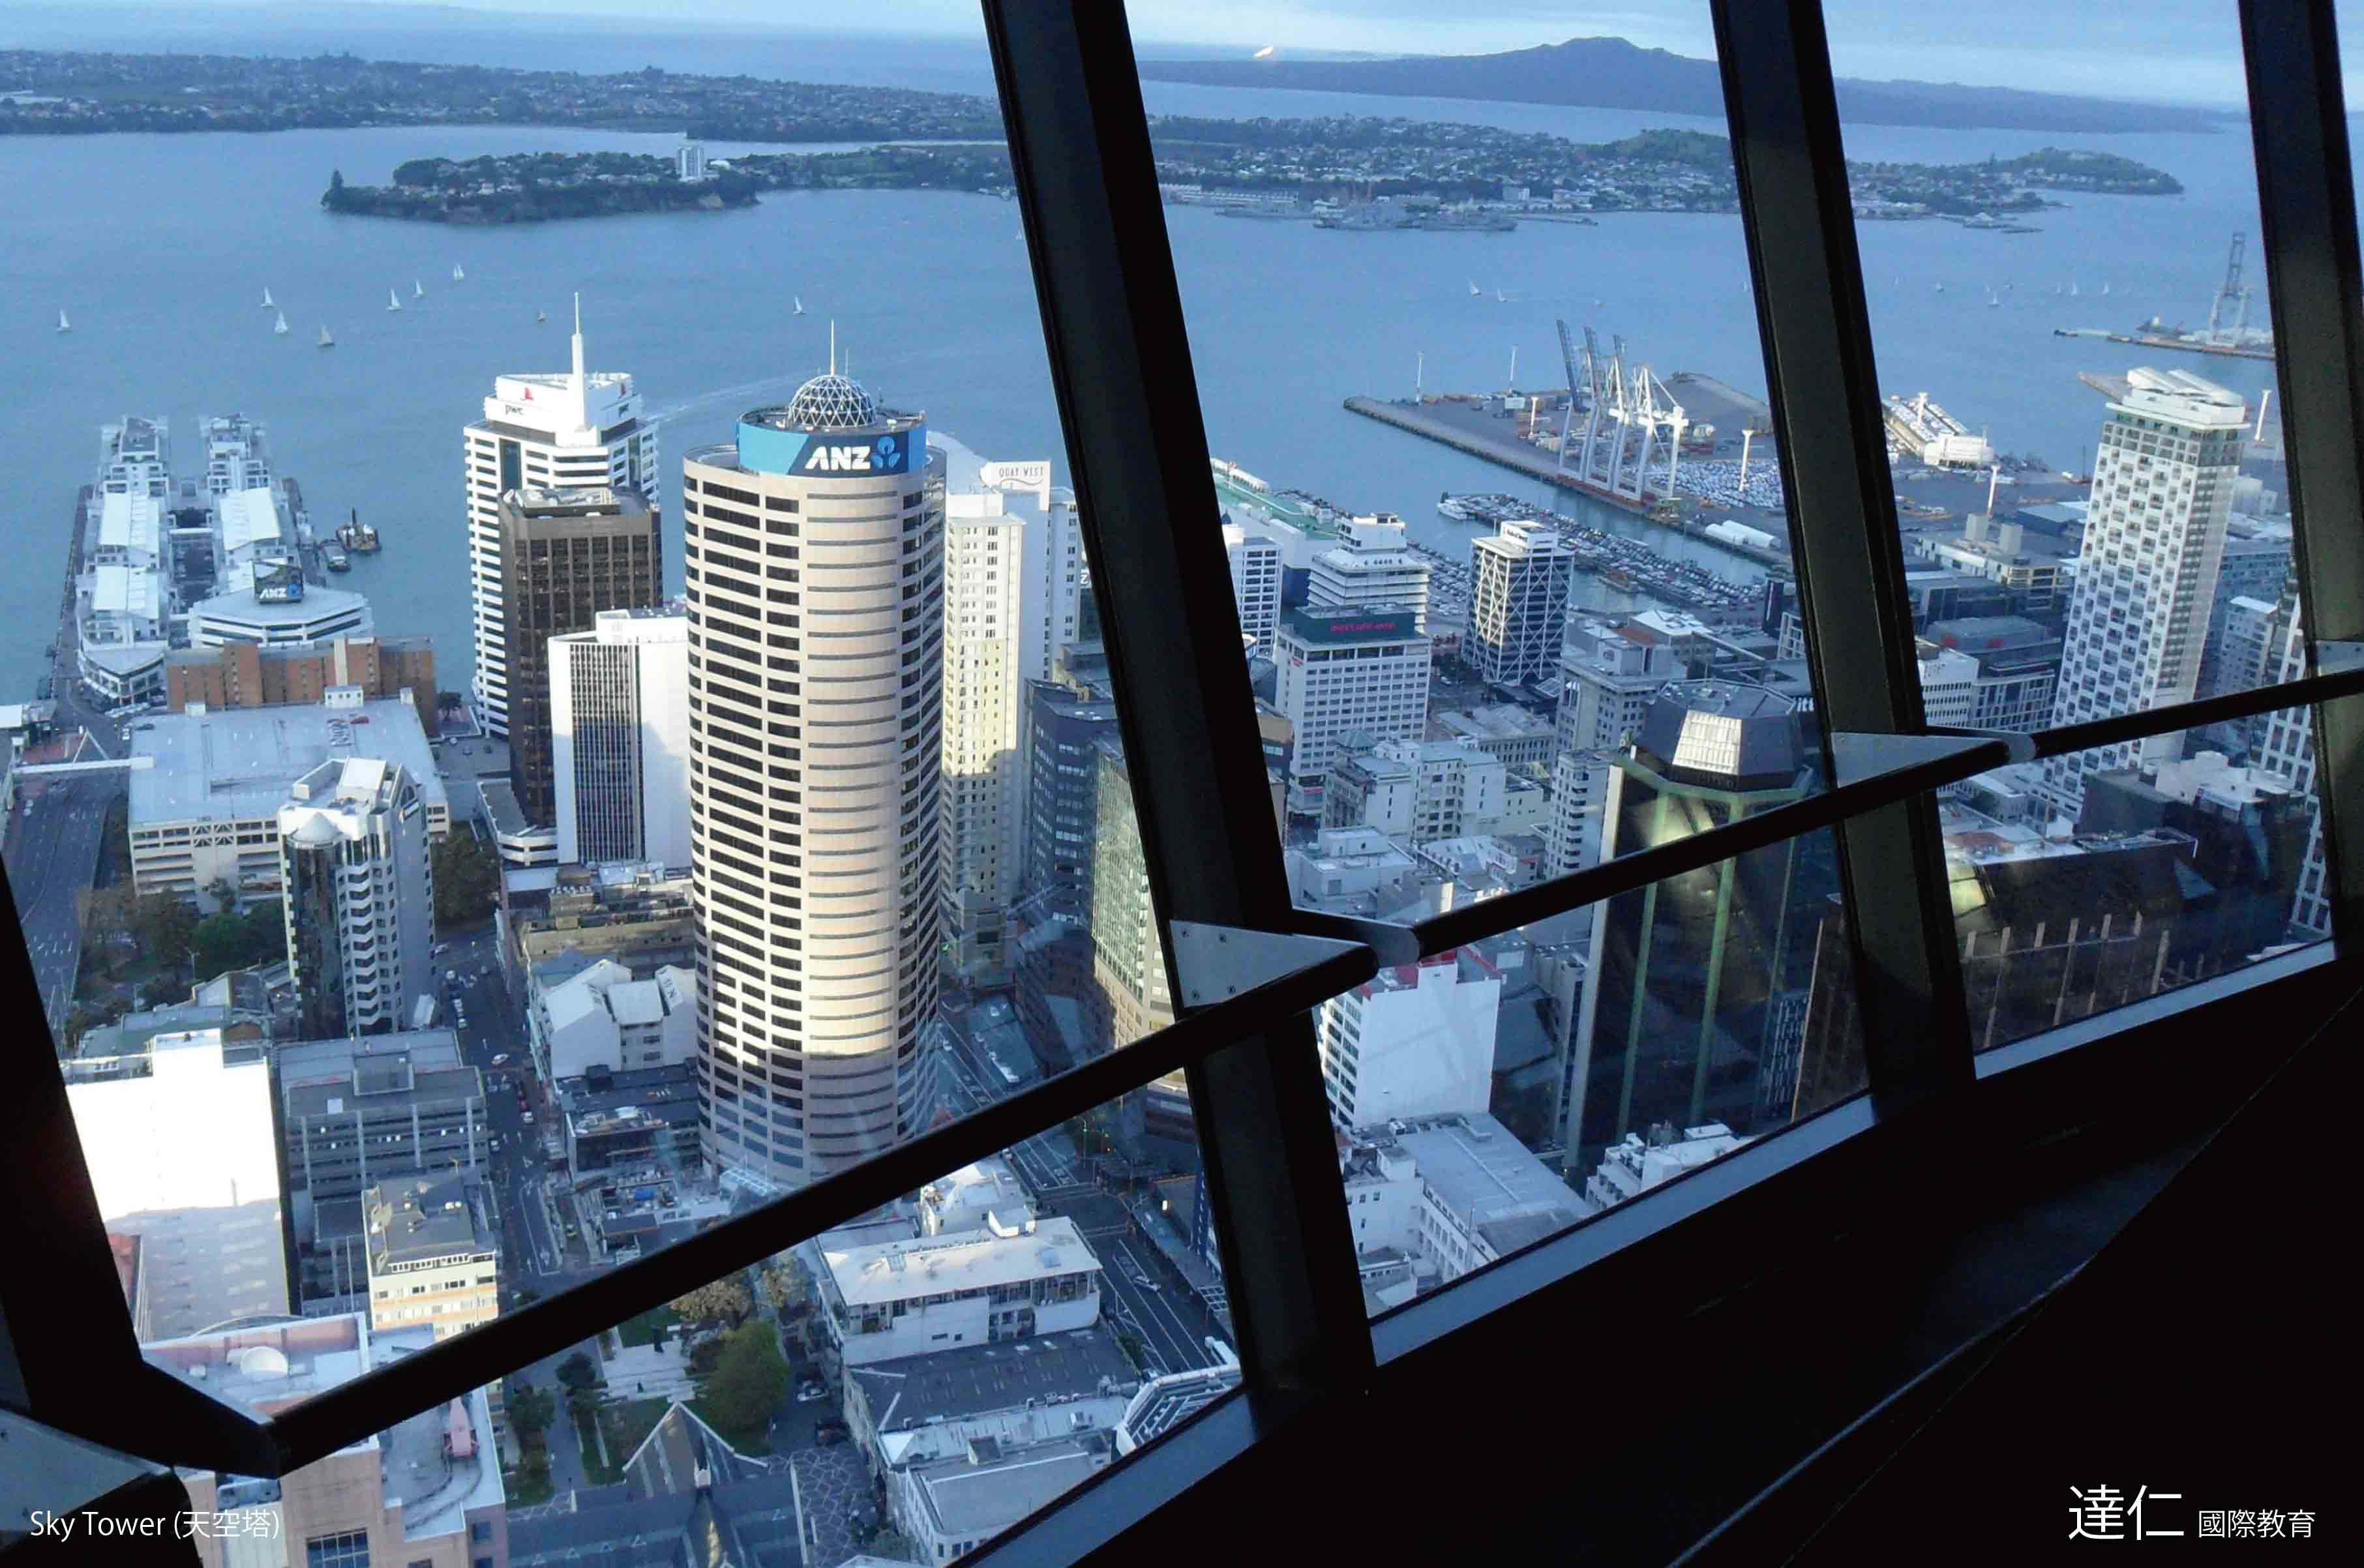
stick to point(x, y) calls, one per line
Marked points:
point(2073, 291)
point(64, 325)
point(1474, 292)
point(268, 304)
point(2105, 285)
point(417, 289)
point(1501, 298)
point(326, 342)
point(279, 328)
point(539, 316)
point(393, 300)
point(1941, 288)
point(800, 303)
point(459, 273)
point(1992, 301)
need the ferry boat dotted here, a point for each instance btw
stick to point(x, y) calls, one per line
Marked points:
point(334, 558)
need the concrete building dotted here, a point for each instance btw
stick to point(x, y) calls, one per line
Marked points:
point(1949, 685)
point(952, 1507)
point(1340, 672)
point(2287, 751)
point(2257, 559)
point(243, 616)
point(360, 897)
point(236, 458)
point(207, 807)
point(2247, 654)
point(425, 1493)
point(1518, 614)
point(885, 1300)
point(1417, 1039)
point(815, 846)
point(518, 841)
point(566, 555)
point(1366, 789)
point(2033, 567)
point(1351, 871)
point(983, 1195)
point(638, 915)
point(1255, 583)
point(576, 430)
point(1012, 560)
point(1513, 736)
point(1635, 1163)
point(248, 674)
point(434, 1254)
point(1434, 1197)
point(1689, 976)
point(2162, 489)
point(184, 1157)
point(620, 737)
point(1579, 790)
point(1370, 564)
point(134, 458)
point(2019, 668)
point(603, 1017)
point(1608, 679)
point(1416, 790)
point(358, 1112)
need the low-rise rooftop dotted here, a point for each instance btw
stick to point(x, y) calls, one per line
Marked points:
point(239, 764)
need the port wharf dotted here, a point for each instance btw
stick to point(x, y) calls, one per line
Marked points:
point(2184, 343)
point(1466, 436)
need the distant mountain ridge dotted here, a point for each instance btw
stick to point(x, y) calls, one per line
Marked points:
point(1613, 73)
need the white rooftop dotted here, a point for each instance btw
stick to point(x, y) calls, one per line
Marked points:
point(240, 763)
point(134, 523)
point(318, 606)
point(124, 591)
point(248, 517)
point(976, 1260)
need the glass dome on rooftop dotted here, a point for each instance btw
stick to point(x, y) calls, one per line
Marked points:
point(831, 402)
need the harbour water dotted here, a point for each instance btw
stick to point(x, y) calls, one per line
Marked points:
point(160, 246)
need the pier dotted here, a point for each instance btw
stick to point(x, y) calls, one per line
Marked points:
point(1523, 459)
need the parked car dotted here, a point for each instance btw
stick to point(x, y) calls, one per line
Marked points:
point(527, 1118)
point(808, 1391)
point(502, 1060)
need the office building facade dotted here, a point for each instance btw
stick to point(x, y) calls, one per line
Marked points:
point(566, 555)
point(1518, 614)
point(1345, 671)
point(620, 737)
point(813, 549)
point(576, 430)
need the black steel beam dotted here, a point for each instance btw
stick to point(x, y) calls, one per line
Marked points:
point(1137, 452)
point(1800, 222)
point(2306, 195)
point(2325, 691)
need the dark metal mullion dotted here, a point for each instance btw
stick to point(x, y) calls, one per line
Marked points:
point(1800, 223)
point(1137, 451)
point(2306, 198)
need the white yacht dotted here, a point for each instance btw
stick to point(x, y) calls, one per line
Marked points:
point(64, 325)
point(393, 300)
point(268, 303)
point(279, 328)
point(459, 273)
point(800, 303)
point(326, 342)
point(417, 289)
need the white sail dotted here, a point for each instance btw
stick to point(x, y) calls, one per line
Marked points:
point(417, 289)
point(393, 300)
point(280, 326)
point(268, 304)
point(799, 309)
point(539, 316)
point(459, 273)
point(326, 342)
point(1474, 289)
point(64, 325)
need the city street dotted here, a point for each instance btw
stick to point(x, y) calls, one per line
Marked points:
point(53, 850)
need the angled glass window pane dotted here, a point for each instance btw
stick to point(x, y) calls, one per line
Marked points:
point(909, 1384)
point(703, 795)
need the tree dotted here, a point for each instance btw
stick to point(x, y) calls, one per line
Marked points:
point(724, 1300)
point(786, 1289)
point(166, 927)
point(577, 1372)
point(532, 1410)
point(748, 1382)
point(467, 879)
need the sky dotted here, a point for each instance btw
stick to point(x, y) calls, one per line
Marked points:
point(2172, 51)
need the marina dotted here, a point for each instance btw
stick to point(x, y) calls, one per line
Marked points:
point(1628, 565)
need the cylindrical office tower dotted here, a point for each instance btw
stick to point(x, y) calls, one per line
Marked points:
point(813, 549)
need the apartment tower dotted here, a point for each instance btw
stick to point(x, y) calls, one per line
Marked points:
point(813, 549)
point(620, 737)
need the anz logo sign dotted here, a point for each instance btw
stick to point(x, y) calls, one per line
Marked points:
point(887, 454)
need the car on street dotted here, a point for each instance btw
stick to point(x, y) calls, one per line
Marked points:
point(527, 1118)
point(502, 1060)
point(450, 977)
point(808, 1391)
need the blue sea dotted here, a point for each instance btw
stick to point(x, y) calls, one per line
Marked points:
point(161, 247)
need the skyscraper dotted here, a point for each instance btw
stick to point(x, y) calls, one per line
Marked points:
point(2162, 486)
point(813, 550)
point(360, 897)
point(1688, 975)
point(1012, 555)
point(565, 556)
point(576, 430)
point(1518, 614)
point(620, 737)
point(1256, 583)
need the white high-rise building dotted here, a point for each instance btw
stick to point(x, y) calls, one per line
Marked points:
point(1343, 672)
point(1013, 556)
point(1416, 1040)
point(1949, 685)
point(620, 737)
point(813, 549)
point(360, 897)
point(1580, 788)
point(1606, 682)
point(1372, 563)
point(2289, 751)
point(2162, 487)
point(1518, 614)
point(1256, 583)
point(578, 429)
